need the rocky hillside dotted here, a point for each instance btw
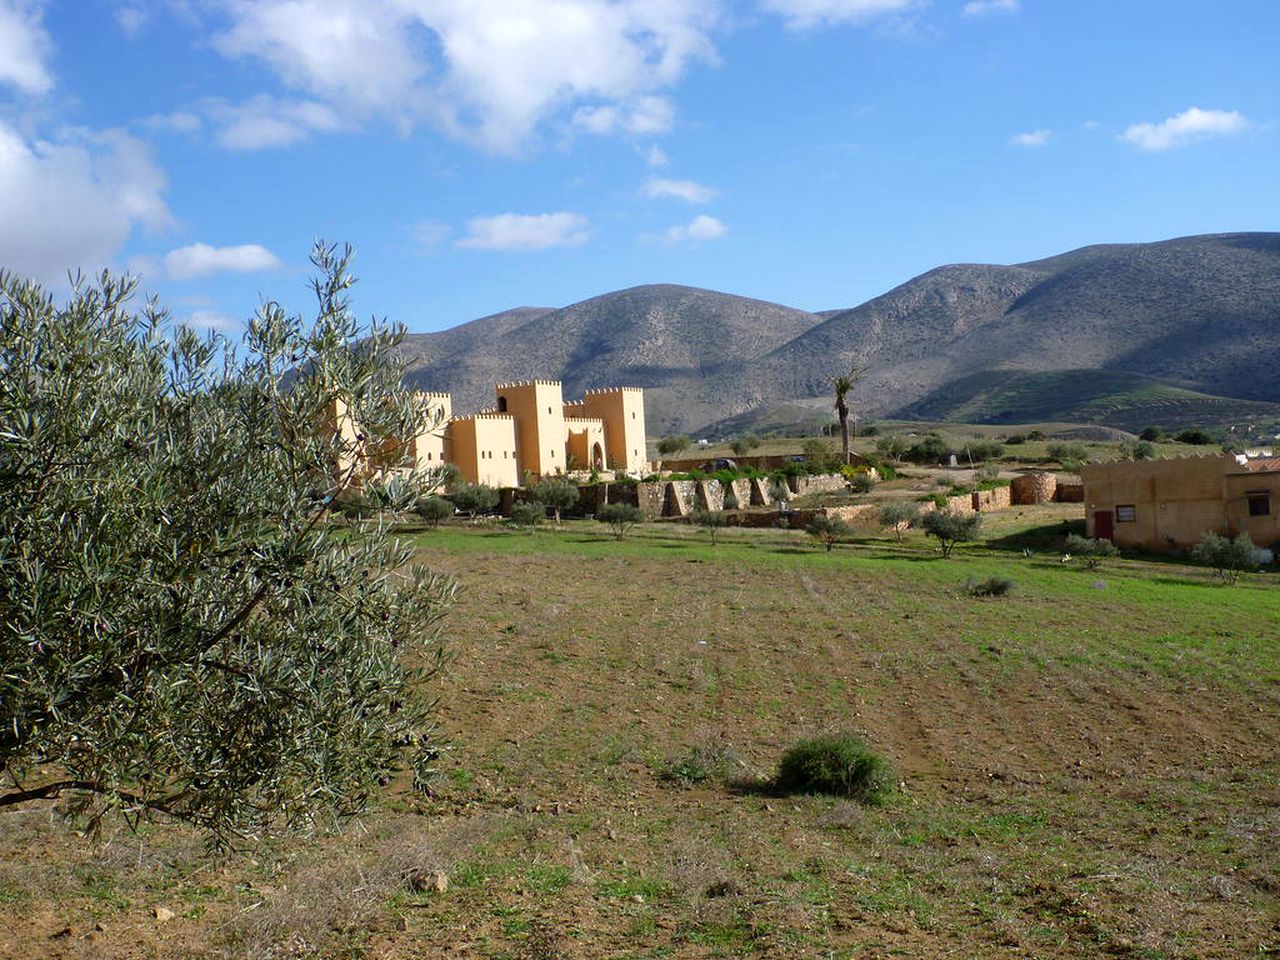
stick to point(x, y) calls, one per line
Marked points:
point(1197, 315)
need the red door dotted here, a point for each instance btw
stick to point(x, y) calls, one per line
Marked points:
point(1104, 525)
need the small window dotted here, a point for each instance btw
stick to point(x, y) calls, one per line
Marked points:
point(502, 404)
point(553, 454)
point(633, 414)
point(1259, 505)
point(504, 454)
point(1126, 514)
point(548, 409)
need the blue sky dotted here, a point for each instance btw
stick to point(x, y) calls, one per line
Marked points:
point(485, 154)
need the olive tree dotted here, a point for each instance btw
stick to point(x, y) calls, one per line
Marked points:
point(186, 627)
point(557, 493)
point(951, 528)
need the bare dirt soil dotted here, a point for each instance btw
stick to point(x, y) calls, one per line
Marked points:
point(1087, 768)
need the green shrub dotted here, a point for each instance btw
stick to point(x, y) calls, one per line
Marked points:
point(558, 493)
point(838, 764)
point(862, 482)
point(1089, 551)
point(712, 759)
point(1015, 440)
point(474, 498)
point(1063, 452)
point(1228, 557)
point(739, 447)
point(932, 448)
point(1151, 435)
point(900, 515)
point(989, 587)
point(528, 513)
point(828, 530)
point(1138, 450)
point(1196, 437)
point(621, 517)
point(433, 509)
point(951, 528)
point(713, 521)
point(670, 445)
point(988, 473)
point(984, 449)
point(1035, 435)
point(894, 446)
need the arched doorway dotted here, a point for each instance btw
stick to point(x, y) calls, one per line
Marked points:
point(597, 457)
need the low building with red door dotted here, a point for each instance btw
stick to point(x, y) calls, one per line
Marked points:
point(1163, 505)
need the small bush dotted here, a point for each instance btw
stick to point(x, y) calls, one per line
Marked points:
point(1138, 450)
point(434, 509)
point(710, 759)
point(838, 764)
point(1090, 552)
point(951, 528)
point(900, 515)
point(713, 521)
point(1064, 452)
point(1035, 435)
point(528, 513)
point(621, 517)
point(828, 530)
point(1151, 435)
point(474, 498)
point(985, 449)
point(1228, 557)
point(990, 587)
point(1015, 440)
point(1195, 437)
point(558, 493)
point(988, 473)
point(862, 482)
point(670, 445)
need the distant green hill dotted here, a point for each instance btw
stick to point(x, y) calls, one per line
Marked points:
point(1125, 400)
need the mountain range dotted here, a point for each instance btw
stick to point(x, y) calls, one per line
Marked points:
point(1173, 333)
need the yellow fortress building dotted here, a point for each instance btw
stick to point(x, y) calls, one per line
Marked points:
point(531, 432)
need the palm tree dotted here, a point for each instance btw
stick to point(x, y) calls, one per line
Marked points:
point(843, 384)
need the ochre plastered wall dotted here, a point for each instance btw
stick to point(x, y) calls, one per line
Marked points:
point(1176, 502)
point(538, 409)
point(586, 444)
point(483, 447)
point(622, 411)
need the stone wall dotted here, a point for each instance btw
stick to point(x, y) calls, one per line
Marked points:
point(1031, 488)
point(1069, 493)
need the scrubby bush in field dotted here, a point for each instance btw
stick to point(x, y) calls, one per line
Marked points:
point(474, 498)
point(900, 515)
point(187, 629)
point(989, 587)
point(528, 514)
point(621, 517)
point(1229, 558)
point(861, 481)
point(1068, 452)
point(712, 521)
point(984, 449)
point(433, 509)
point(557, 493)
point(951, 528)
point(838, 764)
point(670, 445)
point(709, 759)
point(988, 473)
point(1089, 551)
point(828, 530)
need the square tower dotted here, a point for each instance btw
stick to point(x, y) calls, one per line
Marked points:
point(483, 447)
point(622, 410)
point(538, 408)
point(427, 448)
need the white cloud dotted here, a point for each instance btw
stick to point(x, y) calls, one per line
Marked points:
point(212, 320)
point(655, 156)
point(983, 8)
point(1185, 128)
point(489, 71)
point(180, 121)
point(514, 231)
point(647, 116)
point(201, 260)
point(263, 122)
point(132, 18)
point(1034, 138)
point(803, 14)
point(686, 190)
point(428, 235)
point(24, 47)
point(72, 203)
point(701, 227)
